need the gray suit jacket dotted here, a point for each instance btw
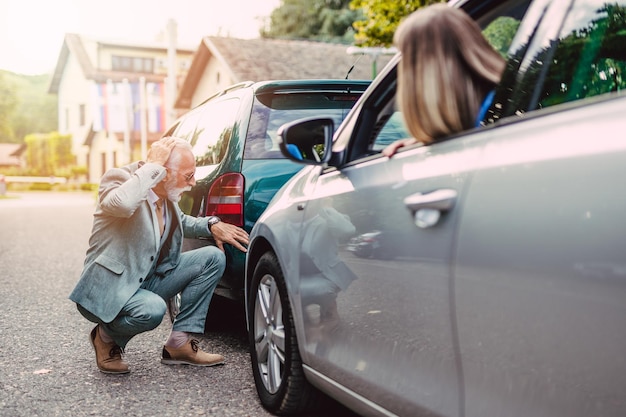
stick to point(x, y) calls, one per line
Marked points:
point(124, 242)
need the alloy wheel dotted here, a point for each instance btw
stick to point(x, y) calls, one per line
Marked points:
point(269, 333)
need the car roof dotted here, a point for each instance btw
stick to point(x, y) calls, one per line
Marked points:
point(473, 6)
point(309, 85)
point(287, 86)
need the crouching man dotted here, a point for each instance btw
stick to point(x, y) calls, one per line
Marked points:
point(135, 260)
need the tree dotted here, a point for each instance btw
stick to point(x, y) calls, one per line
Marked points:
point(36, 110)
point(587, 61)
point(381, 18)
point(49, 154)
point(320, 20)
point(500, 34)
point(8, 103)
point(25, 106)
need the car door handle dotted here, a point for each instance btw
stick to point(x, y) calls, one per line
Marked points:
point(427, 208)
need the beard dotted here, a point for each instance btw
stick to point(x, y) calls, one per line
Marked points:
point(174, 193)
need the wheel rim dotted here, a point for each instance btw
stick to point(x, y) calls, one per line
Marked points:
point(174, 306)
point(269, 334)
point(177, 299)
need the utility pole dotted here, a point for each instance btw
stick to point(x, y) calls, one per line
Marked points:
point(143, 115)
point(170, 96)
point(128, 113)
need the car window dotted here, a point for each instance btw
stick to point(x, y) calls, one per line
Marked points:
point(392, 130)
point(576, 51)
point(499, 27)
point(209, 130)
point(270, 111)
point(587, 59)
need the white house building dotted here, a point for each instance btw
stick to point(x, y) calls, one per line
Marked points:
point(115, 98)
point(220, 62)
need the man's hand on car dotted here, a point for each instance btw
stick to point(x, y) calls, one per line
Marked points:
point(227, 233)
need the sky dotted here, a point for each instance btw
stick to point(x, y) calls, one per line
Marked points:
point(32, 31)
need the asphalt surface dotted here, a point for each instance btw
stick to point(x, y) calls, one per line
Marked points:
point(47, 365)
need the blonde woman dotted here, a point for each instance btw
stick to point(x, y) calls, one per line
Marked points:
point(447, 73)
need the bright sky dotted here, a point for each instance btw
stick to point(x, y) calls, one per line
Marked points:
point(32, 31)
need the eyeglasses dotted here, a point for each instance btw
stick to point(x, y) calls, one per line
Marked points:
point(189, 176)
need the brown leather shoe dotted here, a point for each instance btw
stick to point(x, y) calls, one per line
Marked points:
point(108, 355)
point(190, 354)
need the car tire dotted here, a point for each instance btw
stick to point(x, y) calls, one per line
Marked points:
point(276, 362)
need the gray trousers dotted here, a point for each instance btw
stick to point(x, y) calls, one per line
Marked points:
point(195, 278)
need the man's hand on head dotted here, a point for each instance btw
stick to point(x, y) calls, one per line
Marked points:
point(160, 150)
point(227, 233)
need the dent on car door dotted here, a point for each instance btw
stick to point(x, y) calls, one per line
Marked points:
point(540, 275)
point(379, 320)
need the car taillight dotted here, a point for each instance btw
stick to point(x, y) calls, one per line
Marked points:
point(225, 199)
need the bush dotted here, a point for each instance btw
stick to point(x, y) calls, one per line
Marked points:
point(40, 186)
point(87, 186)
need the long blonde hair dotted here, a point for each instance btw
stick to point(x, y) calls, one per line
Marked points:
point(447, 69)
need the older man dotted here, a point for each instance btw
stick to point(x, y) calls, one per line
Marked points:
point(135, 260)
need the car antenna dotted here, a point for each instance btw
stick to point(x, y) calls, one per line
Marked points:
point(352, 67)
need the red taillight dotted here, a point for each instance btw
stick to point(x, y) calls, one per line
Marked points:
point(225, 199)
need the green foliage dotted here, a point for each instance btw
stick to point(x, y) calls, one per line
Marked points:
point(78, 170)
point(25, 106)
point(585, 62)
point(320, 20)
point(591, 59)
point(381, 18)
point(8, 102)
point(61, 155)
point(87, 186)
point(500, 33)
point(364, 22)
point(49, 154)
point(40, 186)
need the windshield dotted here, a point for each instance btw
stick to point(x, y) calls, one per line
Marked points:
point(270, 111)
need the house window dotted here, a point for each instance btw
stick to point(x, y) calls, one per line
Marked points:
point(132, 64)
point(81, 115)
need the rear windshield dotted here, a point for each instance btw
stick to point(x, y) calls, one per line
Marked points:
point(270, 111)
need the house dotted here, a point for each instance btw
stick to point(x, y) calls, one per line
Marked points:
point(11, 155)
point(114, 100)
point(113, 97)
point(223, 61)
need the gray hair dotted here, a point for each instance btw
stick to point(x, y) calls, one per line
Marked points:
point(180, 145)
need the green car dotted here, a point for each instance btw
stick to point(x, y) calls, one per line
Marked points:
point(239, 164)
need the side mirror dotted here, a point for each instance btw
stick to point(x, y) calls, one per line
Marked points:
point(307, 141)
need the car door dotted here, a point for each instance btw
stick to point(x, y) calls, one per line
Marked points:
point(375, 260)
point(390, 334)
point(540, 270)
point(382, 324)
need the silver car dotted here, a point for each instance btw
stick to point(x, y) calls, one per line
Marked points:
point(508, 297)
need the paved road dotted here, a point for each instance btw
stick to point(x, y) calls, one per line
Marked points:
point(47, 366)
